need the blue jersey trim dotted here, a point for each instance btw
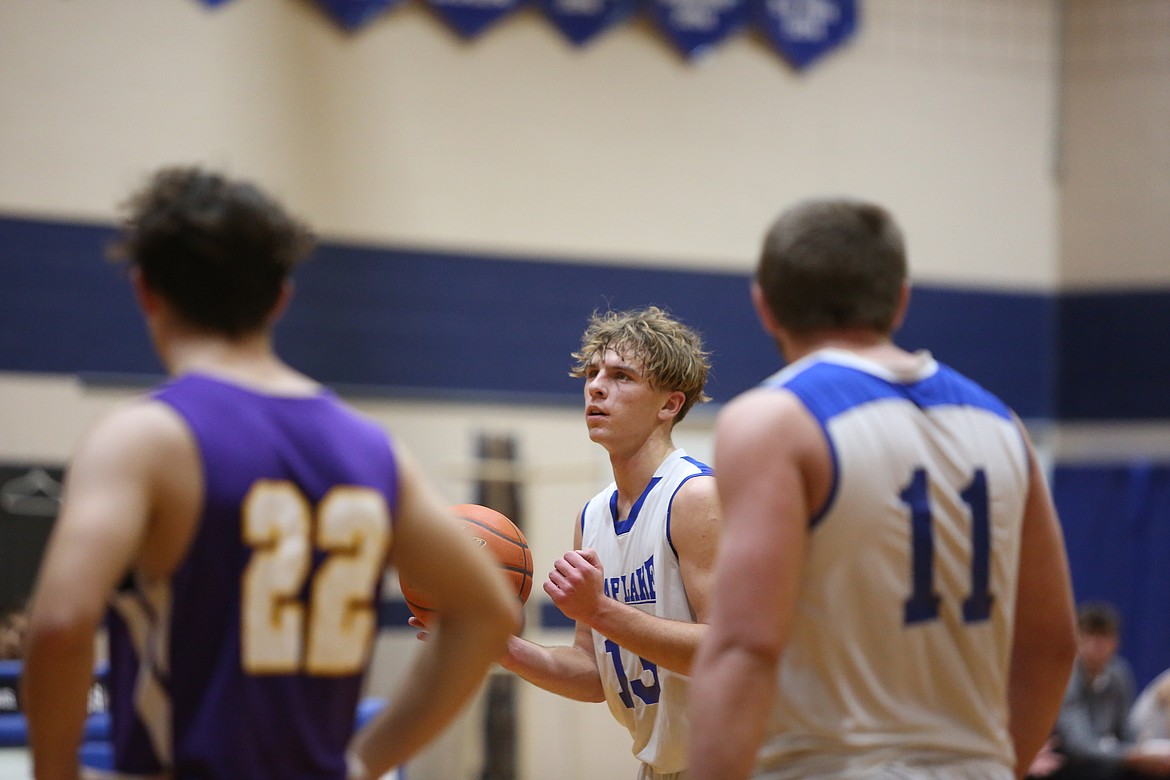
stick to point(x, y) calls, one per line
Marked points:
point(623, 526)
point(828, 389)
point(704, 471)
point(835, 464)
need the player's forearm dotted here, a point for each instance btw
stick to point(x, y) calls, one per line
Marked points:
point(446, 673)
point(566, 671)
point(55, 681)
point(670, 644)
point(1044, 645)
point(731, 696)
point(1035, 692)
point(1030, 728)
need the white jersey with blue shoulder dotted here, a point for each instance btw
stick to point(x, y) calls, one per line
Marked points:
point(642, 569)
point(899, 651)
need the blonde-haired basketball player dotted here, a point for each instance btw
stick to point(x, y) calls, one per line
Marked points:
point(892, 597)
point(638, 579)
point(242, 518)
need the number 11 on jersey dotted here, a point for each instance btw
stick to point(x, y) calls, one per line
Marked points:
point(923, 604)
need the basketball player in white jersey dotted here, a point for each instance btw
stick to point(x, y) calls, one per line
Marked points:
point(638, 578)
point(892, 595)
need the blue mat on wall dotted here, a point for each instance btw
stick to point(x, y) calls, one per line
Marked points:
point(1116, 519)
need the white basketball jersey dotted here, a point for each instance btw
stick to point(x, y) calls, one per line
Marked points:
point(900, 646)
point(642, 570)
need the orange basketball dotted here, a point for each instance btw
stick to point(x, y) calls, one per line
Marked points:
point(500, 537)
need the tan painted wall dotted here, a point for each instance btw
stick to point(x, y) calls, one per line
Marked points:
point(518, 143)
point(1115, 172)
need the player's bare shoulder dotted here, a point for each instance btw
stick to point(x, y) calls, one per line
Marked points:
point(696, 501)
point(694, 517)
point(764, 419)
point(766, 438)
point(142, 430)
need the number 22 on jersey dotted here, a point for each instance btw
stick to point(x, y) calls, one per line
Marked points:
point(331, 633)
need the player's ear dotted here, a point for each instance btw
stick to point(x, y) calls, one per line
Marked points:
point(287, 287)
point(903, 305)
point(673, 404)
point(767, 319)
point(148, 299)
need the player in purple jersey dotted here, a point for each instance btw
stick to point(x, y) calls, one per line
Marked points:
point(892, 596)
point(241, 518)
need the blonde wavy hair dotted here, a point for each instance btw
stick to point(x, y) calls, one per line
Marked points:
point(671, 353)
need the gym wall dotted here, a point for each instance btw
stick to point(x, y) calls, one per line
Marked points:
point(477, 199)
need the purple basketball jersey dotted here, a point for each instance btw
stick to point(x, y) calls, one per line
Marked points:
point(249, 662)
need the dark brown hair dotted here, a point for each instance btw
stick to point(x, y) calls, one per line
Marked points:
point(218, 250)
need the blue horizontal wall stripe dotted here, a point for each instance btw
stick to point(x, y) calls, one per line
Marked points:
point(423, 320)
point(393, 613)
point(1114, 355)
point(552, 617)
point(62, 308)
point(444, 325)
point(1003, 340)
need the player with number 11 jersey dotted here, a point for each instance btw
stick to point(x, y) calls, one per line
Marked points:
point(892, 594)
point(909, 586)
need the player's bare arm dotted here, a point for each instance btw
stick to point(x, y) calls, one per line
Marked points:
point(569, 671)
point(1044, 644)
point(575, 585)
point(764, 443)
point(477, 612)
point(111, 495)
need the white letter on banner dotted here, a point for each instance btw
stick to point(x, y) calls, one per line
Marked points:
point(805, 20)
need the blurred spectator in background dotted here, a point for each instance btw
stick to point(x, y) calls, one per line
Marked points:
point(13, 628)
point(1149, 720)
point(1093, 739)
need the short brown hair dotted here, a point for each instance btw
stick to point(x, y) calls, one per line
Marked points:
point(1099, 618)
point(671, 353)
point(834, 263)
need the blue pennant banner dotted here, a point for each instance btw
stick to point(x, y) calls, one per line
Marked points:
point(352, 14)
point(802, 31)
point(471, 17)
point(805, 30)
point(581, 20)
point(695, 26)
